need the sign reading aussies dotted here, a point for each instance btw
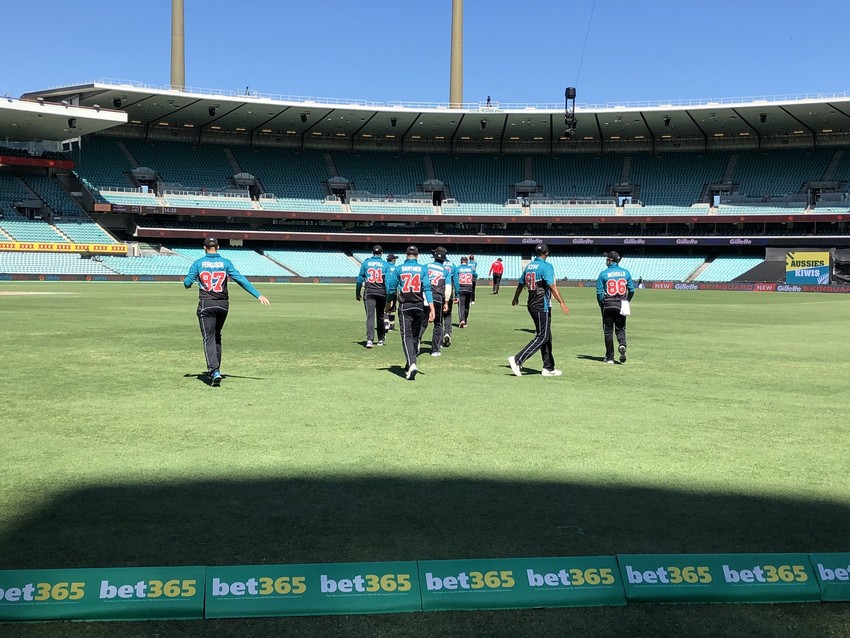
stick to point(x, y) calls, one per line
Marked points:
point(833, 573)
point(807, 268)
point(755, 578)
point(520, 582)
point(136, 593)
point(305, 590)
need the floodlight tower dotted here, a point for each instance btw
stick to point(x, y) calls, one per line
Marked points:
point(178, 62)
point(456, 74)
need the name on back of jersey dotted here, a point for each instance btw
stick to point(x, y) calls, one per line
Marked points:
point(212, 264)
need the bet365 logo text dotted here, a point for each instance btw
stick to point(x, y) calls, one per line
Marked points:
point(262, 586)
point(147, 589)
point(672, 575)
point(571, 578)
point(766, 574)
point(366, 583)
point(41, 592)
point(472, 580)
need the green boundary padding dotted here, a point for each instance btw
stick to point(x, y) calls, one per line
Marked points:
point(147, 593)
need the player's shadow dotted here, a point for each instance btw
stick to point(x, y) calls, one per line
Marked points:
point(530, 331)
point(589, 357)
point(396, 370)
point(207, 380)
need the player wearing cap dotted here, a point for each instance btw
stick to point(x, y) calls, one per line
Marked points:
point(449, 303)
point(441, 290)
point(497, 269)
point(464, 283)
point(474, 264)
point(211, 272)
point(614, 286)
point(373, 271)
point(389, 316)
point(415, 305)
point(539, 278)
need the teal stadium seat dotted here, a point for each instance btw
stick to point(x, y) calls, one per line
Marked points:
point(85, 232)
point(248, 262)
point(50, 264)
point(315, 263)
point(728, 268)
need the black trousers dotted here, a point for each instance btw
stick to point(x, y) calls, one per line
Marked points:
point(437, 336)
point(497, 281)
point(374, 305)
point(474, 284)
point(542, 340)
point(212, 314)
point(411, 318)
point(447, 318)
point(613, 321)
point(464, 298)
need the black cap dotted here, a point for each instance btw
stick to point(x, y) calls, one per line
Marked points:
point(613, 256)
point(464, 259)
point(392, 257)
point(498, 259)
point(377, 249)
point(210, 242)
point(412, 250)
point(541, 249)
point(440, 253)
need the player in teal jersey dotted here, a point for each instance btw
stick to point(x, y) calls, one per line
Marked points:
point(474, 264)
point(449, 305)
point(211, 272)
point(415, 305)
point(389, 317)
point(614, 286)
point(464, 282)
point(441, 291)
point(373, 271)
point(539, 278)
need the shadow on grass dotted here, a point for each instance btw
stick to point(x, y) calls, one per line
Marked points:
point(589, 357)
point(206, 379)
point(386, 518)
point(395, 369)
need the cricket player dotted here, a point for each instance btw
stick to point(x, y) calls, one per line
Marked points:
point(613, 286)
point(465, 277)
point(441, 291)
point(497, 269)
point(211, 272)
point(373, 271)
point(539, 278)
point(449, 305)
point(474, 264)
point(389, 316)
point(415, 305)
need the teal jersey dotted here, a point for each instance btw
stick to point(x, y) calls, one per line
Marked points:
point(411, 284)
point(537, 278)
point(373, 272)
point(465, 278)
point(474, 264)
point(613, 286)
point(211, 272)
point(451, 269)
point(439, 275)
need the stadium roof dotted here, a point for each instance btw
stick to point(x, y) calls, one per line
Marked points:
point(56, 122)
point(255, 113)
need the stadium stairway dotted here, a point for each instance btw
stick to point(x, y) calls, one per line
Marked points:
point(234, 163)
point(699, 270)
point(125, 151)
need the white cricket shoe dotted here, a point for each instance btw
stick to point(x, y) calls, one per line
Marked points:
point(369, 344)
point(411, 372)
point(552, 373)
point(514, 366)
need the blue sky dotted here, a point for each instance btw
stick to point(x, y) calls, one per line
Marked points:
point(385, 50)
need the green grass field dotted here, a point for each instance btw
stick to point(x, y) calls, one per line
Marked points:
point(724, 432)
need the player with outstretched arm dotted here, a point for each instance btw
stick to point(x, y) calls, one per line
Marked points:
point(412, 288)
point(211, 272)
point(539, 278)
